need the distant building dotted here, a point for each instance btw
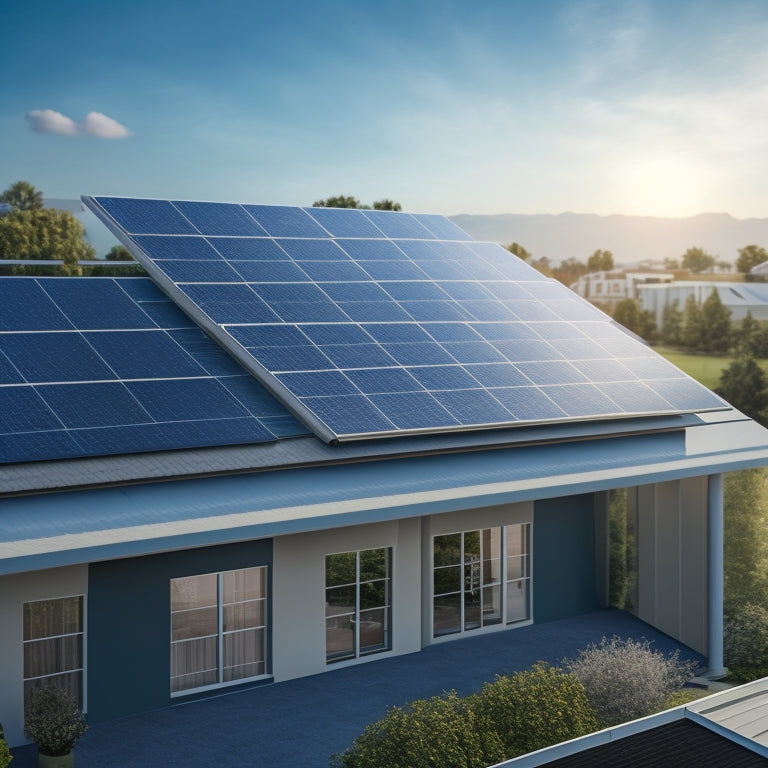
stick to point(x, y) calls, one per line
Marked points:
point(609, 288)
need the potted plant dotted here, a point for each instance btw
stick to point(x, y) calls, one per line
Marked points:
point(53, 720)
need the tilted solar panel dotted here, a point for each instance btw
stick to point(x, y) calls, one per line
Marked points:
point(373, 323)
point(98, 366)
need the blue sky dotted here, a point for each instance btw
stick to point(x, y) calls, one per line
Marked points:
point(499, 106)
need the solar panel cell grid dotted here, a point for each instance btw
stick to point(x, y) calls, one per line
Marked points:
point(377, 313)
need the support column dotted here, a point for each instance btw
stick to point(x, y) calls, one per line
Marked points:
point(715, 573)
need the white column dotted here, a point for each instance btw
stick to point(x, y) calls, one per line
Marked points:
point(715, 601)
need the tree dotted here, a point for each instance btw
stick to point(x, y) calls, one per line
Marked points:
point(672, 324)
point(44, 234)
point(743, 384)
point(716, 324)
point(519, 251)
point(631, 315)
point(692, 323)
point(600, 261)
point(386, 205)
point(348, 201)
point(119, 253)
point(750, 256)
point(23, 197)
point(750, 337)
point(569, 271)
point(697, 260)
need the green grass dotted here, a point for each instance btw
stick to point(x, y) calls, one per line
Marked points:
point(706, 369)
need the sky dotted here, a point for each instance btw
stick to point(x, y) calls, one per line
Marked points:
point(637, 107)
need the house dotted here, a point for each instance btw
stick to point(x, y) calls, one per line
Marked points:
point(609, 288)
point(315, 438)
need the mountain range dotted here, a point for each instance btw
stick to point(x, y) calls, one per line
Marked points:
point(633, 240)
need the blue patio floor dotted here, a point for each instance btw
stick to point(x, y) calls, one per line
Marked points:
point(301, 723)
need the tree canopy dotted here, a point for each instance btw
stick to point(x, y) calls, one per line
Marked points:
point(750, 256)
point(600, 261)
point(349, 201)
point(22, 196)
point(519, 251)
point(698, 260)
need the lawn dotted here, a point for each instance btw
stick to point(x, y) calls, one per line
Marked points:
point(704, 368)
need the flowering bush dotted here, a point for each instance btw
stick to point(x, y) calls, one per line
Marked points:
point(53, 720)
point(626, 679)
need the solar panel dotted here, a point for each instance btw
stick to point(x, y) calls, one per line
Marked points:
point(95, 366)
point(375, 323)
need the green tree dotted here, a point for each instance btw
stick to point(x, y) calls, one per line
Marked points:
point(348, 201)
point(672, 324)
point(750, 256)
point(386, 205)
point(617, 548)
point(633, 317)
point(698, 260)
point(749, 338)
point(44, 234)
point(119, 253)
point(745, 541)
point(692, 323)
point(743, 384)
point(23, 197)
point(716, 324)
point(600, 261)
point(519, 251)
point(569, 271)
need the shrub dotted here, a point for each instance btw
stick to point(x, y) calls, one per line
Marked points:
point(5, 754)
point(53, 720)
point(745, 639)
point(440, 731)
point(626, 679)
point(533, 709)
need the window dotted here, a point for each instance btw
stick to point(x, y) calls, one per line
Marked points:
point(218, 628)
point(480, 579)
point(357, 603)
point(53, 645)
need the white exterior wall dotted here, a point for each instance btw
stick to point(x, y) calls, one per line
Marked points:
point(299, 580)
point(16, 590)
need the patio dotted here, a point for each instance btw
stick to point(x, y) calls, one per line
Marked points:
point(301, 723)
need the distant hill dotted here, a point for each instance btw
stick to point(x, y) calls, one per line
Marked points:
point(631, 239)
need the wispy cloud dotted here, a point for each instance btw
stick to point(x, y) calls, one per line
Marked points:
point(93, 124)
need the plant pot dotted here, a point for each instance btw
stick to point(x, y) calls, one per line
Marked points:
point(56, 761)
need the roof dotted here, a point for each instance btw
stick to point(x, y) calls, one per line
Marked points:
point(725, 729)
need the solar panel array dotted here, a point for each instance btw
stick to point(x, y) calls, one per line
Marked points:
point(374, 323)
point(94, 366)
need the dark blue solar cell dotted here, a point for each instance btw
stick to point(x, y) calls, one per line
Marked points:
point(488, 310)
point(206, 352)
point(687, 395)
point(451, 332)
point(397, 332)
point(551, 372)
point(414, 410)
point(55, 356)
point(285, 426)
point(269, 336)
point(624, 346)
point(248, 249)
point(35, 446)
point(419, 291)
point(349, 414)
point(449, 270)
point(474, 406)
point(333, 271)
point(372, 250)
point(497, 375)
point(289, 292)
point(517, 350)
point(394, 270)
point(581, 399)
point(530, 310)
point(307, 358)
point(166, 315)
point(656, 367)
point(220, 218)
point(185, 399)
point(604, 370)
point(143, 354)
point(344, 222)
point(438, 377)
point(24, 306)
point(164, 247)
point(441, 227)
point(92, 303)
point(422, 250)
point(252, 395)
point(578, 349)
point(23, 410)
point(399, 225)
point(230, 303)
point(377, 380)
point(200, 271)
point(558, 329)
point(415, 353)
point(94, 405)
point(473, 352)
point(635, 397)
point(507, 291)
point(506, 331)
point(309, 311)
point(312, 250)
point(428, 311)
point(270, 271)
point(157, 217)
point(465, 290)
point(335, 333)
point(358, 356)
point(8, 372)
point(374, 311)
point(140, 289)
point(528, 403)
point(355, 292)
point(317, 383)
point(549, 290)
point(284, 221)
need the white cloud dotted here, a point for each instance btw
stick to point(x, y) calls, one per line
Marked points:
point(93, 124)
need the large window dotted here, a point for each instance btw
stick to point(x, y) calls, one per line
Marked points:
point(357, 603)
point(480, 579)
point(53, 645)
point(218, 628)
